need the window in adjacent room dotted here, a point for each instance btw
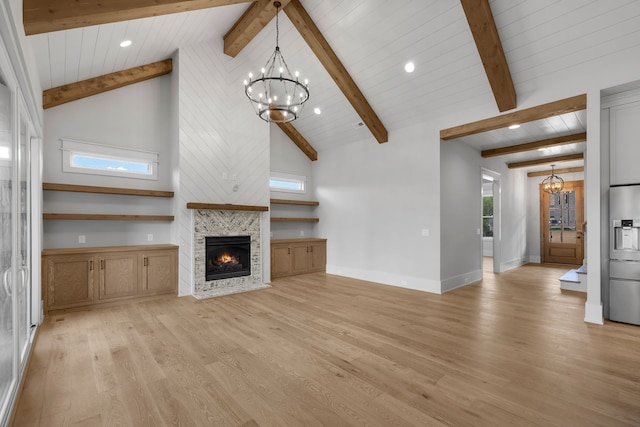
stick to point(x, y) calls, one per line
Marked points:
point(97, 159)
point(487, 216)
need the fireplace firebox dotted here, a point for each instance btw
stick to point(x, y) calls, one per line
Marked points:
point(228, 256)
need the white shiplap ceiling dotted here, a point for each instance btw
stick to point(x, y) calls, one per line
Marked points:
point(374, 39)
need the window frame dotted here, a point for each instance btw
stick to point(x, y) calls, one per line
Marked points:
point(287, 177)
point(70, 148)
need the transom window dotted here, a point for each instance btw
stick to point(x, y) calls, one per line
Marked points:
point(288, 182)
point(97, 159)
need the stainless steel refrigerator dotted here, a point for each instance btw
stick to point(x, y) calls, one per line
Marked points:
point(624, 254)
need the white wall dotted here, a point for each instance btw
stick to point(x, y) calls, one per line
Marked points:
point(375, 199)
point(219, 133)
point(461, 215)
point(136, 116)
point(286, 157)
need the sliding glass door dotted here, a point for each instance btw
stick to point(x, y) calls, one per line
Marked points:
point(8, 355)
point(23, 227)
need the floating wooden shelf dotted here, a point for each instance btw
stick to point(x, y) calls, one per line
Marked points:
point(107, 217)
point(226, 207)
point(104, 190)
point(294, 202)
point(295, 219)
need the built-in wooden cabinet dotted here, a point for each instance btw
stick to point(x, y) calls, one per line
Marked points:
point(298, 256)
point(78, 277)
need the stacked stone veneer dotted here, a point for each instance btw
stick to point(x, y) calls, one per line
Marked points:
point(226, 223)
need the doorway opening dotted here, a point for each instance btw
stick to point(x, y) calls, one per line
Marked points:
point(490, 246)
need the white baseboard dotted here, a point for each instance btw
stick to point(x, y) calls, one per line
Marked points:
point(506, 266)
point(593, 313)
point(461, 280)
point(408, 282)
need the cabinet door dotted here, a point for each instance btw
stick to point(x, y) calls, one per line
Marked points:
point(280, 260)
point(159, 272)
point(624, 147)
point(118, 275)
point(69, 280)
point(300, 258)
point(318, 256)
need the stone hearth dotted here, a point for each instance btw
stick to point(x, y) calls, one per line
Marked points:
point(226, 223)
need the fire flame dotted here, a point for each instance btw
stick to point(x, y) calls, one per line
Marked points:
point(226, 258)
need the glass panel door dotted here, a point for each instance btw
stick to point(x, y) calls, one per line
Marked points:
point(561, 226)
point(23, 285)
point(7, 333)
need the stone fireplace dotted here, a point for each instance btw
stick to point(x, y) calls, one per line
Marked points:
point(236, 258)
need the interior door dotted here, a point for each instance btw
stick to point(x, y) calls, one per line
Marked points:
point(562, 223)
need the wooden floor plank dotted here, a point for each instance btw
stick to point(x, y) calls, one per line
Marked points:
point(325, 350)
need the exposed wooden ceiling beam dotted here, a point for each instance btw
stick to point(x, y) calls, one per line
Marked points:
point(550, 142)
point(74, 91)
point(538, 112)
point(556, 171)
point(44, 16)
point(252, 21)
point(485, 34)
point(545, 160)
point(327, 57)
point(295, 136)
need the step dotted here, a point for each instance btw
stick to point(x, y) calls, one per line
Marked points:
point(572, 281)
point(582, 269)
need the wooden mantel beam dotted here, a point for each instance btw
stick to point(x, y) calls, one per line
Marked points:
point(83, 89)
point(543, 143)
point(44, 16)
point(538, 112)
point(327, 57)
point(254, 19)
point(485, 34)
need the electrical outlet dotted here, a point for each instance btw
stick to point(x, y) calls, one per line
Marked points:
point(82, 238)
point(302, 232)
point(149, 237)
point(425, 232)
point(224, 176)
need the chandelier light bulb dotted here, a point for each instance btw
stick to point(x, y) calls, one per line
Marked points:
point(250, 75)
point(246, 82)
point(262, 71)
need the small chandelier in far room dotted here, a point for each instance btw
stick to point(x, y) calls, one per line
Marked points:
point(276, 95)
point(553, 183)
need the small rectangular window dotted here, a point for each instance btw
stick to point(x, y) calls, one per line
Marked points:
point(96, 159)
point(288, 183)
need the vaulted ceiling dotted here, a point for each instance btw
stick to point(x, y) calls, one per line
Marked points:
point(373, 39)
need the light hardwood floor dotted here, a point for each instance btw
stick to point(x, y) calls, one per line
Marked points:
point(320, 350)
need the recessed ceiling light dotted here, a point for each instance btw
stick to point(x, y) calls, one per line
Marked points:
point(409, 67)
point(514, 126)
point(125, 43)
point(317, 110)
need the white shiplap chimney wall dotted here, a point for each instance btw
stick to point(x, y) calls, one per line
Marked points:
point(219, 134)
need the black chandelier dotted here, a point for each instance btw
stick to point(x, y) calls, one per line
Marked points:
point(276, 95)
point(553, 183)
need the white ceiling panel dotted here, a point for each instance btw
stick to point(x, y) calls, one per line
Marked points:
point(374, 39)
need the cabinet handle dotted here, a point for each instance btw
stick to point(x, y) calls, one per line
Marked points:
point(288, 251)
point(90, 265)
point(146, 261)
point(101, 264)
